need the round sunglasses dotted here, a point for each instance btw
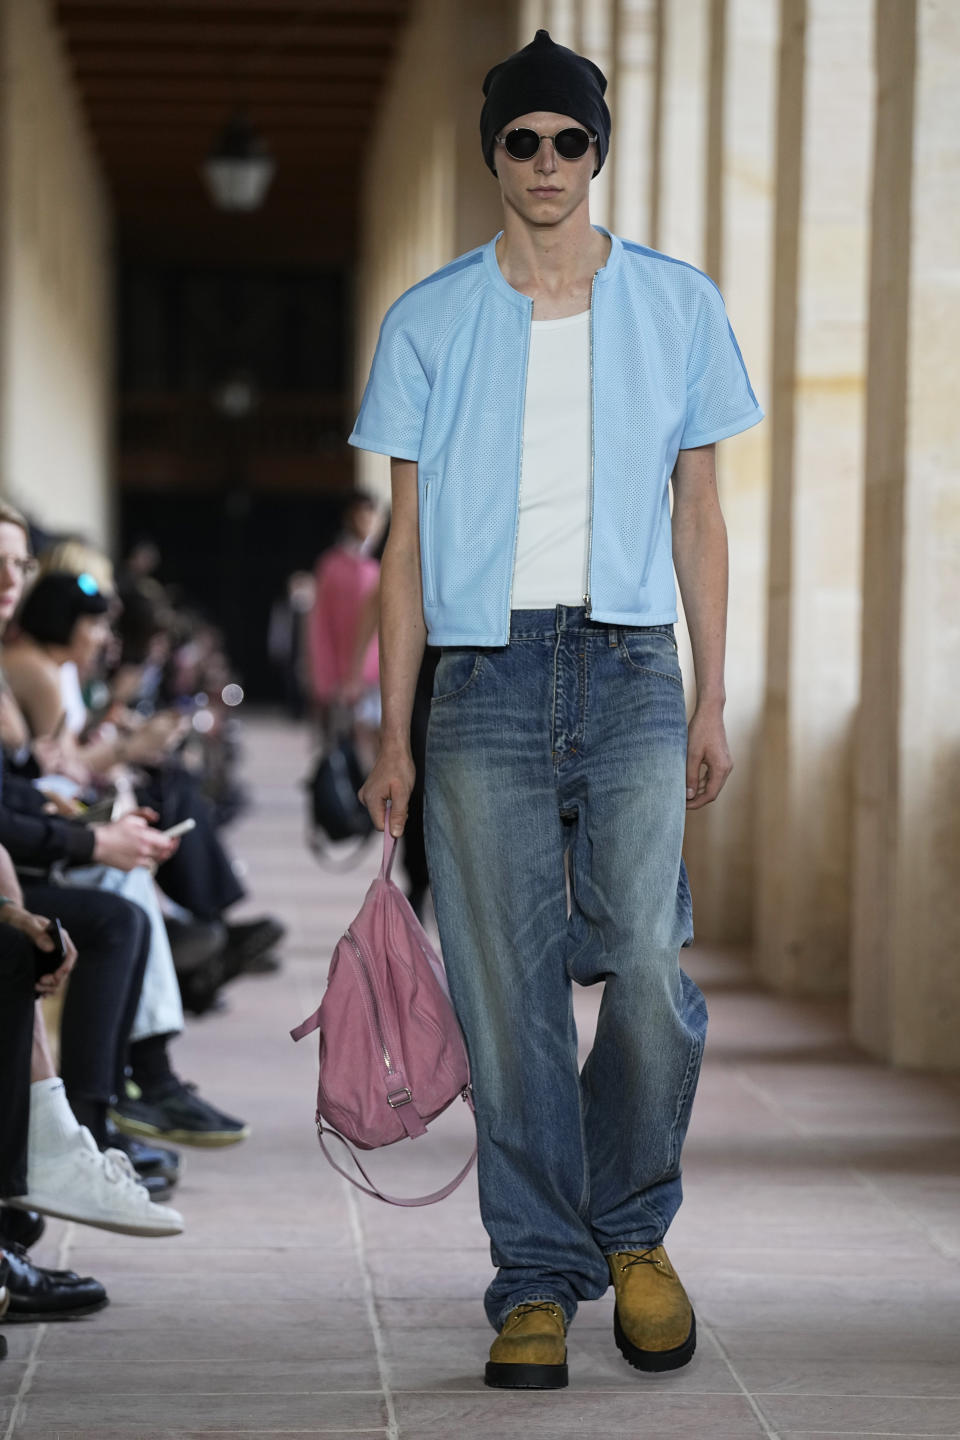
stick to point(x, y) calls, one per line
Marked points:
point(569, 144)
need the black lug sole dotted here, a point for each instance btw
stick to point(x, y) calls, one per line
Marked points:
point(525, 1377)
point(655, 1360)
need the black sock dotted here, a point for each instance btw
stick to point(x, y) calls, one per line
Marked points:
point(150, 1065)
point(93, 1114)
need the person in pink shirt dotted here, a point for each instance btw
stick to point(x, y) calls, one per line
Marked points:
point(347, 578)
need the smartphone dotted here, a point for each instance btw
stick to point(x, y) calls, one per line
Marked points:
point(176, 831)
point(46, 961)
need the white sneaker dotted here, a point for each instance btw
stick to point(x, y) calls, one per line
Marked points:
point(79, 1183)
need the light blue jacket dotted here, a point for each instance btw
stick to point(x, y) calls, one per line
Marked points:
point(447, 389)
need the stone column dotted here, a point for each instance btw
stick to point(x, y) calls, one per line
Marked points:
point(906, 921)
point(631, 152)
point(683, 150)
point(738, 231)
point(805, 819)
point(597, 27)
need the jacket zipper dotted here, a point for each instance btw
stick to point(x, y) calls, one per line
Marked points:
point(377, 1024)
point(523, 416)
point(587, 599)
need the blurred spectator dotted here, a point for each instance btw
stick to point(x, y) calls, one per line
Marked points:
point(56, 609)
point(286, 639)
point(63, 638)
point(345, 576)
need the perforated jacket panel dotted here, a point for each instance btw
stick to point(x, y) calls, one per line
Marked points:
point(446, 389)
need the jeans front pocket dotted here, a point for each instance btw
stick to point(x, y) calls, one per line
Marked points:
point(457, 670)
point(652, 650)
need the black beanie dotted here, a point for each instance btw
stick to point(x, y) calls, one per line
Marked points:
point(544, 76)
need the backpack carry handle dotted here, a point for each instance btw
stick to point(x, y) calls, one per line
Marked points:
point(389, 845)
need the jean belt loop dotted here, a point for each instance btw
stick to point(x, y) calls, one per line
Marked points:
point(561, 619)
point(613, 634)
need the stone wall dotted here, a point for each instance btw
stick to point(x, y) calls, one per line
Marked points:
point(56, 329)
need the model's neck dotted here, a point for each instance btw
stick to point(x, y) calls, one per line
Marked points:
point(539, 257)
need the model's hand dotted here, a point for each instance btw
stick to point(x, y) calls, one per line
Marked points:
point(708, 757)
point(390, 779)
point(130, 842)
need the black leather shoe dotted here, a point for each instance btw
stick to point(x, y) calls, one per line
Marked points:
point(148, 1160)
point(20, 1227)
point(156, 1187)
point(4, 1302)
point(37, 1294)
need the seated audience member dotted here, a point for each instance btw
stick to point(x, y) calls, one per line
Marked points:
point(27, 1292)
point(48, 1162)
point(62, 636)
point(166, 1108)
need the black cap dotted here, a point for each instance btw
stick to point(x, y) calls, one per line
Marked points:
point(55, 604)
point(545, 76)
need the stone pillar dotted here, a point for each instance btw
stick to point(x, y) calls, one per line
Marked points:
point(738, 242)
point(631, 152)
point(597, 26)
point(906, 922)
point(683, 153)
point(805, 819)
point(532, 15)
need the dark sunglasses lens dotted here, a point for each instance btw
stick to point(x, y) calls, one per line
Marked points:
point(522, 144)
point(571, 144)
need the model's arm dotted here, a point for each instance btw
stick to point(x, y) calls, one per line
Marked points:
point(700, 559)
point(403, 636)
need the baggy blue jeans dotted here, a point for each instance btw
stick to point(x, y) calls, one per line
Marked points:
point(571, 740)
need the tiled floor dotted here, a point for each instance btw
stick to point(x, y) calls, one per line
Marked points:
point(820, 1241)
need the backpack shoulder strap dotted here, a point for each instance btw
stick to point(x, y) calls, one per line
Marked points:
point(371, 1188)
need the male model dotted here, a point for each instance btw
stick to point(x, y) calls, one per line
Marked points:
point(537, 396)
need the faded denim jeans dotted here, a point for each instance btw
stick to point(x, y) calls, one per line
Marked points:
point(571, 740)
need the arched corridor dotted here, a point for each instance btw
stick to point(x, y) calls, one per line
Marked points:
point(820, 1238)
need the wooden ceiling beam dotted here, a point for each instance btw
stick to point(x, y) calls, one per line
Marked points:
point(226, 91)
point(125, 31)
point(122, 64)
point(388, 10)
point(266, 118)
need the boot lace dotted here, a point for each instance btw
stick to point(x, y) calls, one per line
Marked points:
point(644, 1257)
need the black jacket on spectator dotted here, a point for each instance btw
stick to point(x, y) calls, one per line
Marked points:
point(36, 839)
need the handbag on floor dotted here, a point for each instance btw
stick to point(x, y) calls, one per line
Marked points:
point(392, 1057)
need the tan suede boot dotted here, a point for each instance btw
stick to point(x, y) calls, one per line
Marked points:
point(530, 1353)
point(653, 1323)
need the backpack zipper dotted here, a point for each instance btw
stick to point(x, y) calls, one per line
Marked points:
point(377, 1024)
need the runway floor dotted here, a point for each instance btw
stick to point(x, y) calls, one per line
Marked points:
point(820, 1238)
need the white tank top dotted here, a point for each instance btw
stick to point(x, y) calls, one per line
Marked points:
point(551, 562)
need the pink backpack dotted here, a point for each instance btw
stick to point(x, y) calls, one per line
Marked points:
point(392, 1057)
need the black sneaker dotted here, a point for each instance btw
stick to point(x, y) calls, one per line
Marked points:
point(180, 1116)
